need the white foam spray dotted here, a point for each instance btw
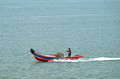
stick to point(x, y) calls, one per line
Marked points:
point(89, 59)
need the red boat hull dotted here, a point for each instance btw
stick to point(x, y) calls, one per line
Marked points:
point(50, 58)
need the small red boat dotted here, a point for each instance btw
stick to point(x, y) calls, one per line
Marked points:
point(51, 58)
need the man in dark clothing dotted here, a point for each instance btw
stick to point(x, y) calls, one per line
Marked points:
point(69, 52)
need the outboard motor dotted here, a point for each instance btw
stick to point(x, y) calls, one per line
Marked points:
point(32, 51)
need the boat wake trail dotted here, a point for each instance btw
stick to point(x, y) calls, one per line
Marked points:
point(89, 59)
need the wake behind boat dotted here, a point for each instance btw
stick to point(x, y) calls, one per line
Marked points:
point(53, 57)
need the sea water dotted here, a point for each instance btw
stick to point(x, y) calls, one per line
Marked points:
point(89, 27)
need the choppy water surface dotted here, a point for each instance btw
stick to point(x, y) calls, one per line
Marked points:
point(89, 27)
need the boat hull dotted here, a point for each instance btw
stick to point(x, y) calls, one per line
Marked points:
point(50, 58)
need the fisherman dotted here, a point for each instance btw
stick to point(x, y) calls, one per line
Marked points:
point(69, 52)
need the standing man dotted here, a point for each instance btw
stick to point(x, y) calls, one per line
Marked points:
point(69, 52)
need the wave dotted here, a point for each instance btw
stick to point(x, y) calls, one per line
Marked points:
point(89, 59)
